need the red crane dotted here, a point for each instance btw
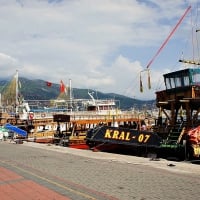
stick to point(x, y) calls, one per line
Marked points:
point(160, 49)
point(167, 39)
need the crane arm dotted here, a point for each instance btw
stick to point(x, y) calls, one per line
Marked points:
point(167, 39)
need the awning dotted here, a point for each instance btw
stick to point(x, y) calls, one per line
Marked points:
point(16, 129)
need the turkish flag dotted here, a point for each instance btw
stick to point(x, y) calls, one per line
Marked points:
point(49, 84)
point(62, 87)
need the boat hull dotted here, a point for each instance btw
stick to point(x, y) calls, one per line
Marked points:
point(122, 140)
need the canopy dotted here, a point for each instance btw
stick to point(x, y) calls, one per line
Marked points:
point(16, 129)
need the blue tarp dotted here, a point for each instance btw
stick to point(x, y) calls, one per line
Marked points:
point(16, 129)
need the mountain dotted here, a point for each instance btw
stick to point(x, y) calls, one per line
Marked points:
point(39, 90)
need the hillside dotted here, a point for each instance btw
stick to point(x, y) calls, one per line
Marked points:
point(38, 90)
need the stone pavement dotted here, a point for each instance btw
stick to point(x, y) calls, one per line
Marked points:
point(82, 174)
point(14, 186)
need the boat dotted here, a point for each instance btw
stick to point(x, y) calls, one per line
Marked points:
point(63, 121)
point(72, 128)
point(13, 108)
point(101, 106)
point(88, 113)
point(176, 130)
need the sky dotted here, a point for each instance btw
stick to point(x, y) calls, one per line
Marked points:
point(102, 45)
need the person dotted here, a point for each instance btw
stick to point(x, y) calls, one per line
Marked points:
point(181, 118)
point(143, 126)
point(1, 136)
point(12, 137)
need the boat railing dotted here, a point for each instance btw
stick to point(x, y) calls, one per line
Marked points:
point(123, 115)
point(192, 92)
point(161, 96)
point(83, 115)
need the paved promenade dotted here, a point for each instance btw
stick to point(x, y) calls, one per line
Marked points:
point(41, 171)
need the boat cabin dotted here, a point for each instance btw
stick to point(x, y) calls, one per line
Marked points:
point(182, 95)
point(99, 105)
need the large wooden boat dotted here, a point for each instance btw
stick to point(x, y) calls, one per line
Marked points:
point(176, 132)
point(177, 128)
point(77, 125)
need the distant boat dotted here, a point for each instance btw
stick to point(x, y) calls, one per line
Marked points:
point(102, 106)
point(12, 104)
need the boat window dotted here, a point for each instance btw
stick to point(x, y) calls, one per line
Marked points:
point(186, 81)
point(172, 81)
point(167, 82)
point(100, 107)
point(196, 78)
point(91, 108)
point(182, 81)
point(178, 82)
point(182, 78)
point(106, 107)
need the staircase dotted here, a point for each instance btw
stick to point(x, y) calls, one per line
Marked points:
point(175, 136)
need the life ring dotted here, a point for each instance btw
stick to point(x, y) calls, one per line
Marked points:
point(31, 115)
point(43, 115)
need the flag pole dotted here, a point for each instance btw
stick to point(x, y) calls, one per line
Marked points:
point(70, 93)
point(17, 91)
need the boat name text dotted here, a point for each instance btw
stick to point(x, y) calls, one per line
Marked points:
point(126, 136)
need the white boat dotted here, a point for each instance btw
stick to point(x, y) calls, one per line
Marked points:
point(102, 106)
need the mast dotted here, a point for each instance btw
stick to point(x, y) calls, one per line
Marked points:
point(70, 94)
point(17, 91)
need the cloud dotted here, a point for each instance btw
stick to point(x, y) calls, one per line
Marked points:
point(101, 45)
point(6, 62)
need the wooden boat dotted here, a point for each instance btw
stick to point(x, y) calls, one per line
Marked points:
point(40, 123)
point(77, 125)
point(177, 127)
point(65, 121)
point(176, 132)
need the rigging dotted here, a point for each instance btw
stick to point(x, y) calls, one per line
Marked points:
point(160, 49)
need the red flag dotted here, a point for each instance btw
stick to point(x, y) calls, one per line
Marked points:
point(62, 87)
point(49, 84)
